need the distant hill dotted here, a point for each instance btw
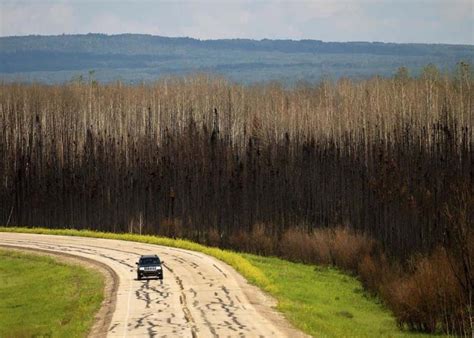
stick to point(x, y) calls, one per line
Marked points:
point(137, 57)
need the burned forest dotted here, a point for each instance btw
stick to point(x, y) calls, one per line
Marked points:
point(257, 168)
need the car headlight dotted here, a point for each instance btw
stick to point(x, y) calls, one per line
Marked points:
point(158, 268)
point(141, 269)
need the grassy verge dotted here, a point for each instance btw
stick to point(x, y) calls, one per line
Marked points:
point(319, 301)
point(41, 297)
point(325, 302)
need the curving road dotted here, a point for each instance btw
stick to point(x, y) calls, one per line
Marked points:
point(200, 296)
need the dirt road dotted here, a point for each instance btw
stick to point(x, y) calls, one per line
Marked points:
point(199, 297)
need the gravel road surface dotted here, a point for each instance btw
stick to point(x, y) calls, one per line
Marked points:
point(199, 296)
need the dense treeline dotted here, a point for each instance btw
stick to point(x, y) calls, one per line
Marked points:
point(214, 161)
point(384, 156)
point(153, 44)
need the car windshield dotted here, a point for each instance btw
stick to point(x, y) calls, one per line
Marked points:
point(149, 261)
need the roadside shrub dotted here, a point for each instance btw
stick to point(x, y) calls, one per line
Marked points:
point(429, 296)
point(321, 242)
point(375, 271)
point(330, 246)
point(261, 240)
point(300, 246)
point(308, 247)
point(348, 248)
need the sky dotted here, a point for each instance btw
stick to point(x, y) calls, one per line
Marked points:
point(424, 21)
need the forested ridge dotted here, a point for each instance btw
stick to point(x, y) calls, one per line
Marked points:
point(138, 57)
point(149, 44)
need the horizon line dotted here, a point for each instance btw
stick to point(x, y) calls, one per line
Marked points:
point(237, 38)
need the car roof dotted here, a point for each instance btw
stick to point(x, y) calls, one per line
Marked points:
point(149, 256)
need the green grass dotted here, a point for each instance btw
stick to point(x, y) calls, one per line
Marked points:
point(323, 302)
point(41, 297)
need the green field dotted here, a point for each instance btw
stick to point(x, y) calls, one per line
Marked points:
point(323, 302)
point(41, 297)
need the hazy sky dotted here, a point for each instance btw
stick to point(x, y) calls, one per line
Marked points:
point(437, 21)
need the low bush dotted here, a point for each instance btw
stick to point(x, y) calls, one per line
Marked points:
point(429, 296)
point(349, 247)
point(258, 241)
point(297, 245)
point(330, 246)
point(375, 271)
point(261, 240)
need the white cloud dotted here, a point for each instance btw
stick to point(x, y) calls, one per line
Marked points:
point(324, 9)
point(21, 19)
point(330, 20)
point(109, 23)
point(458, 10)
point(262, 19)
point(49, 18)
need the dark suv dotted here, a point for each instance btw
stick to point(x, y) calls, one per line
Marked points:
point(149, 265)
